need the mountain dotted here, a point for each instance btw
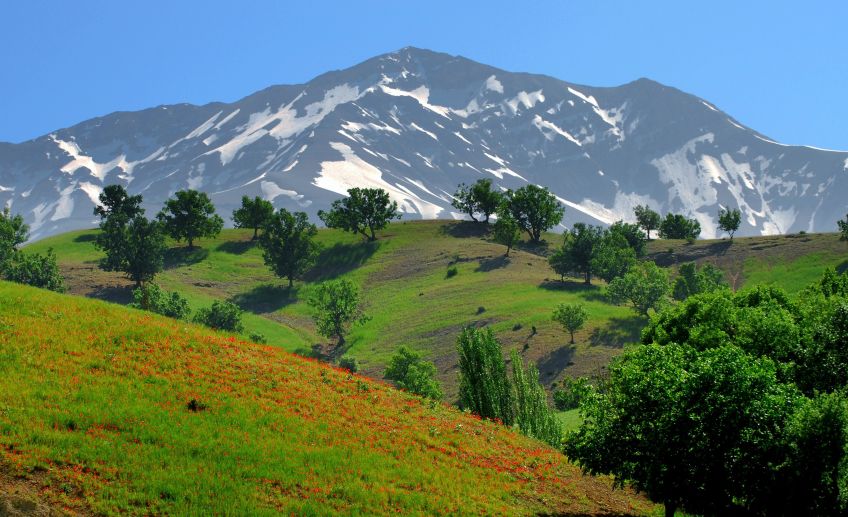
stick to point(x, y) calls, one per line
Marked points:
point(416, 123)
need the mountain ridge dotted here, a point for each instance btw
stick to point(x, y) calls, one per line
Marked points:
point(416, 123)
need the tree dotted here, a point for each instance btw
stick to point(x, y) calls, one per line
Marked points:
point(36, 270)
point(412, 373)
point(337, 308)
point(533, 416)
point(647, 219)
point(645, 287)
point(478, 198)
point(694, 280)
point(484, 387)
point(288, 245)
point(632, 235)
point(694, 430)
point(190, 215)
point(116, 209)
point(143, 253)
point(729, 220)
point(571, 316)
point(151, 297)
point(363, 211)
point(676, 226)
point(613, 256)
point(843, 229)
point(507, 232)
point(253, 213)
point(221, 316)
point(535, 210)
point(578, 250)
point(116, 202)
point(13, 233)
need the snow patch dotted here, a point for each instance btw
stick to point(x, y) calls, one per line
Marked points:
point(494, 85)
point(542, 124)
point(271, 191)
point(420, 94)
point(92, 191)
point(428, 133)
point(528, 100)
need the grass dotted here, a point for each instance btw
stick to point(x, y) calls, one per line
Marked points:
point(96, 414)
point(414, 297)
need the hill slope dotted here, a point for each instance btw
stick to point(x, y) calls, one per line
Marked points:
point(94, 411)
point(417, 123)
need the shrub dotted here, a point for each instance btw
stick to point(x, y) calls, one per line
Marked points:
point(571, 393)
point(221, 316)
point(151, 297)
point(452, 271)
point(36, 270)
point(412, 373)
point(257, 337)
point(349, 363)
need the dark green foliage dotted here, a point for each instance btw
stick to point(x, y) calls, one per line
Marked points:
point(451, 272)
point(632, 235)
point(221, 316)
point(190, 215)
point(116, 210)
point(506, 231)
point(647, 219)
point(571, 317)
point(151, 297)
point(572, 392)
point(693, 430)
point(533, 417)
point(336, 305)
point(694, 280)
point(842, 224)
point(676, 226)
point(349, 363)
point(142, 255)
point(613, 256)
point(412, 373)
point(478, 198)
point(13, 233)
point(729, 220)
point(36, 270)
point(578, 249)
point(831, 284)
point(288, 244)
point(535, 210)
point(484, 387)
point(253, 213)
point(116, 203)
point(257, 337)
point(363, 211)
point(645, 287)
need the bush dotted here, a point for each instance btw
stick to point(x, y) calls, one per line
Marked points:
point(221, 316)
point(151, 297)
point(258, 337)
point(349, 363)
point(573, 391)
point(36, 270)
point(452, 271)
point(412, 373)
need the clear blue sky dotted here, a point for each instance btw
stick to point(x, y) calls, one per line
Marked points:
point(779, 67)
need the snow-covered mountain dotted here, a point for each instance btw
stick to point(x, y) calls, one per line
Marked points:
point(416, 123)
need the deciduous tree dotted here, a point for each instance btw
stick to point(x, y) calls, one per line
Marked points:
point(253, 213)
point(645, 287)
point(535, 210)
point(190, 215)
point(336, 305)
point(410, 372)
point(363, 211)
point(729, 220)
point(647, 219)
point(288, 244)
point(572, 317)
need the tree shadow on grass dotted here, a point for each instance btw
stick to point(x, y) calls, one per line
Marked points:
point(589, 292)
point(113, 294)
point(843, 267)
point(236, 247)
point(341, 258)
point(556, 361)
point(465, 229)
point(182, 256)
point(490, 264)
point(618, 332)
point(86, 237)
point(266, 298)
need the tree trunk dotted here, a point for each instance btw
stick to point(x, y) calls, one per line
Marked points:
point(255, 233)
point(471, 214)
point(190, 243)
point(588, 278)
point(291, 282)
point(572, 337)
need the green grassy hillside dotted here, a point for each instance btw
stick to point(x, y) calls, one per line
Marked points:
point(96, 416)
point(410, 300)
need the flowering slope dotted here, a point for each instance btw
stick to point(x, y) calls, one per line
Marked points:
point(111, 410)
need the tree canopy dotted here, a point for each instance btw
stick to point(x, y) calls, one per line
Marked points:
point(729, 220)
point(478, 198)
point(506, 232)
point(647, 219)
point(253, 213)
point(676, 226)
point(645, 287)
point(288, 245)
point(410, 372)
point(336, 305)
point(535, 210)
point(363, 211)
point(190, 215)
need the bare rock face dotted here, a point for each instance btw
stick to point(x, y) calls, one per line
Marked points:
point(416, 123)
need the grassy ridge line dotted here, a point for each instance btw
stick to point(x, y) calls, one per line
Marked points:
point(93, 402)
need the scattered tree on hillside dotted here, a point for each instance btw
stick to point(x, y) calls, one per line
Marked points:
point(571, 316)
point(647, 219)
point(36, 270)
point(151, 297)
point(288, 244)
point(645, 287)
point(729, 220)
point(694, 280)
point(533, 416)
point(143, 253)
point(410, 372)
point(115, 202)
point(336, 305)
point(253, 213)
point(693, 430)
point(507, 232)
point(843, 229)
point(221, 315)
point(535, 210)
point(676, 226)
point(13, 233)
point(363, 211)
point(116, 209)
point(632, 235)
point(484, 387)
point(612, 257)
point(190, 215)
point(578, 250)
point(478, 198)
